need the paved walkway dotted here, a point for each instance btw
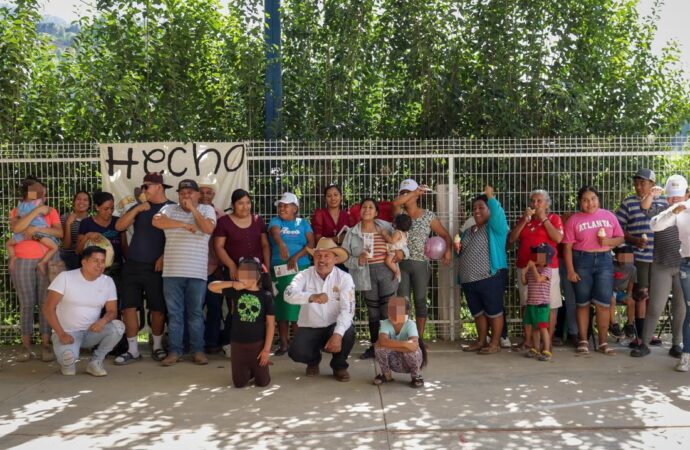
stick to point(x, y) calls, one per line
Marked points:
point(469, 401)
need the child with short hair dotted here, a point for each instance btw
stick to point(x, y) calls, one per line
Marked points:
point(624, 280)
point(253, 323)
point(537, 278)
point(399, 347)
point(32, 198)
point(396, 241)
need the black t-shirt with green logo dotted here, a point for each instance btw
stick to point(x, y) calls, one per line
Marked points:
point(249, 311)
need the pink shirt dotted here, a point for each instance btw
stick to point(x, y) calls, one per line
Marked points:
point(582, 228)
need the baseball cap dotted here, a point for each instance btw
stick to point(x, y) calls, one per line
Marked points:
point(676, 186)
point(645, 174)
point(155, 177)
point(408, 185)
point(288, 197)
point(187, 184)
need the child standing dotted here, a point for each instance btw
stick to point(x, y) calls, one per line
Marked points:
point(396, 241)
point(624, 280)
point(32, 198)
point(537, 278)
point(253, 324)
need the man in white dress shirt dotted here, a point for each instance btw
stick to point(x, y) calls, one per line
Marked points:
point(327, 298)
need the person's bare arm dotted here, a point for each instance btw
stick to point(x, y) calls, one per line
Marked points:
point(275, 234)
point(219, 246)
point(268, 340)
point(49, 311)
point(163, 222)
point(20, 224)
point(127, 218)
point(110, 314)
point(408, 346)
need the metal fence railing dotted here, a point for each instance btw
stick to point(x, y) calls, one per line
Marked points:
point(455, 169)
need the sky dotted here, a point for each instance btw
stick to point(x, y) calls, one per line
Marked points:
point(672, 24)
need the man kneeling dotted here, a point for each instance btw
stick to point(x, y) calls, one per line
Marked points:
point(327, 298)
point(73, 308)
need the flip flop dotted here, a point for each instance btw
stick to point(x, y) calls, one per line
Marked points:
point(582, 347)
point(159, 354)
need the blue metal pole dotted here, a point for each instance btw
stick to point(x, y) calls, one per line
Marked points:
point(274, 82)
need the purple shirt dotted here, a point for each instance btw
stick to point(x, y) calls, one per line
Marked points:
point(242, 242)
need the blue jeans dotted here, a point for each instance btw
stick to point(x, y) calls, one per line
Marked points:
point(596, 278)
point(568, 298)
point(685, 284)
point(184, 297)
point(106, 340)
point(214, 315)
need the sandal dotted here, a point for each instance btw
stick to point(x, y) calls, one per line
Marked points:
point(489, 350)
point(126, 358)
point(582, 346)
point(417, 382)
point(473, 347)
point(159, 354)
point(382, 379)
point(531, 353)
point(544, 356)
point(604, 348)
point(280, 351)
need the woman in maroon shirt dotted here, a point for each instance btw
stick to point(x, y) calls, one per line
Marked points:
point(241, 234)
point(329, 221)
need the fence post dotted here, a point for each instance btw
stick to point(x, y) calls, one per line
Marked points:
point(452, 216)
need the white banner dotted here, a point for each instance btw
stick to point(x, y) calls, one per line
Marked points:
point(123, 167)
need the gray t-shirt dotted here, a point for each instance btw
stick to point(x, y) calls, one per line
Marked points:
point(474, 257)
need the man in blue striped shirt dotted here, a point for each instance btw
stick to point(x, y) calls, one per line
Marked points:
point(635, 224)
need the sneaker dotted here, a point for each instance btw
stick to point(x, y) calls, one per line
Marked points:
point(615, 330)
point(684, 363)
point(676, 351)
point(69, 370)
point(656, 341)
point(629, 330)
point(505, 342)
point(24, 355)
point(368, 353)
point(640, 351)
point(96, 369)
point(226, 350)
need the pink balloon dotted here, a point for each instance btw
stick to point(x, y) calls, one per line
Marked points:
point(435, 247)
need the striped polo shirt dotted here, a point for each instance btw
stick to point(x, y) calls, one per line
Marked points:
point(635, 222)
point(186, 253)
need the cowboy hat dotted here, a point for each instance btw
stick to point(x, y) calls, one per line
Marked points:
point(329, 244)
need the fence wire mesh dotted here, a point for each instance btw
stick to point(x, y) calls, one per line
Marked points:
point(455, 169)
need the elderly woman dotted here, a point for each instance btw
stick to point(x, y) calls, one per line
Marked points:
point(537, 226)
point(367, 248)
point(483, 269)
point(590, 234)
point(415, 270)
point(290, 236)
point(330, 221)
point(32, 284)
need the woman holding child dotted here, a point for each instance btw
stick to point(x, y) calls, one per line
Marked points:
point(590, 234)
point(30, 282)
point(366, 245)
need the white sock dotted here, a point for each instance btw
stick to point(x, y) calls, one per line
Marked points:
point(133, 346)
point(157, 341)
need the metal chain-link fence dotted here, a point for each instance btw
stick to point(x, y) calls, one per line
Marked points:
point(455, 169)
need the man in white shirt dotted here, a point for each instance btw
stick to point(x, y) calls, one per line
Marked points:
point(188, 227)
point(327, 298)
point(73, 309)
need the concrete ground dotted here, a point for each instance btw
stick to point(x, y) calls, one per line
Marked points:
point(469, 401)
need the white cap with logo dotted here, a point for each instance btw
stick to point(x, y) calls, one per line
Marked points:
point(408, 185)
point(676, 186)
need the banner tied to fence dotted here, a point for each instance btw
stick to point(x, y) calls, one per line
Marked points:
point(123, 167)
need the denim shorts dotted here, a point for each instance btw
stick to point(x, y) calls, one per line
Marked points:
point(485, 297)
point(596, 277)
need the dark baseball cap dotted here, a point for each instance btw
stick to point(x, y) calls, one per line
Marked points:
point(155, 177)
point(645, 174)
point(187, 184)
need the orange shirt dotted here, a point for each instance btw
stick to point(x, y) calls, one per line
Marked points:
point(29, 248)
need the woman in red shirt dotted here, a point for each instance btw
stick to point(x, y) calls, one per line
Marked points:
point(330, 221)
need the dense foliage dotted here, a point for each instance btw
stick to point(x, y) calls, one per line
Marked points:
point(194, 70)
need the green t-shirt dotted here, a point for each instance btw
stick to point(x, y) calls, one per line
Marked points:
point(408, 330)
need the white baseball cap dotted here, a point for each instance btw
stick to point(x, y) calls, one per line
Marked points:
point(676, 186)
point(408, 185)
point(288, 197)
